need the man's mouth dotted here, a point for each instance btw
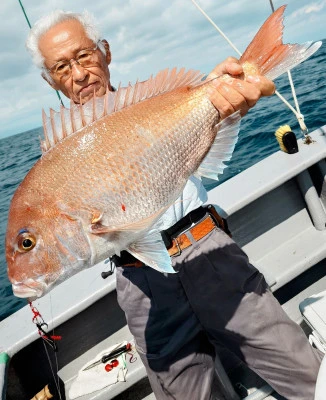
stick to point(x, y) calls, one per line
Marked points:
point(87, 90)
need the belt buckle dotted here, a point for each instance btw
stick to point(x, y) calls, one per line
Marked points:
point(178, 246)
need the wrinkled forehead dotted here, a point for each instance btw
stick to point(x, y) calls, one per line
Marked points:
point(63, 40)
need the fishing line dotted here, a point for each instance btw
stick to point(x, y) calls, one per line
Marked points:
point(53, 374)
point(47, 340)
point(56, 379)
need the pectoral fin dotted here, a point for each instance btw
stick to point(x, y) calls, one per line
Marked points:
point(149, 249)
point(152, 252)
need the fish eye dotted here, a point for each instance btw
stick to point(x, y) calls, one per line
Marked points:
point(26, 242)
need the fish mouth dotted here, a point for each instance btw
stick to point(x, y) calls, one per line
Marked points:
point(29, 289)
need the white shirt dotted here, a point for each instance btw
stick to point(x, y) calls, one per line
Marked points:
point(193, 196)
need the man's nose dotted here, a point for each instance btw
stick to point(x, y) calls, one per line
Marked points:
point(78, 72)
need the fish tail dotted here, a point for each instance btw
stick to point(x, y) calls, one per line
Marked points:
point(269, 54)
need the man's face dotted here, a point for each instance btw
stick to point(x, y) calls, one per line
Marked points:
point(62, 43)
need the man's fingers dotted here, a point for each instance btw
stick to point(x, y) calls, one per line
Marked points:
point(266, 87)
point(231, 94)
point(229, 90)
point(230, 66)
point(227, 100)
point(250, 92)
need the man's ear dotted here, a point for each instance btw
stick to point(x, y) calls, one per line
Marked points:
point(107, 51)
point(50, 82)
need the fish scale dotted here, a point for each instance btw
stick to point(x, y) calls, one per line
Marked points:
point(77, 187)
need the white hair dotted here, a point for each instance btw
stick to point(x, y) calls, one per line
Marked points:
point(45, 23)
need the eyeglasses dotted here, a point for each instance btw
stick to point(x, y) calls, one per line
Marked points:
point(85, 58)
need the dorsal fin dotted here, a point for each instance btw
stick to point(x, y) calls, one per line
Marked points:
point(62, 124)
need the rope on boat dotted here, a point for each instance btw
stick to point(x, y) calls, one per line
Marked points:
point(298, 114)
point(296, 111)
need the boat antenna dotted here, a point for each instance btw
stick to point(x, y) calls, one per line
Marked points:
point(296, 112)
point(30, 26)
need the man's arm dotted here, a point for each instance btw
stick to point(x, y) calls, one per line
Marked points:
point(231, 94)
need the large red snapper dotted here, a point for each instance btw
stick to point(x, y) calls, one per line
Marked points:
point(112, 167)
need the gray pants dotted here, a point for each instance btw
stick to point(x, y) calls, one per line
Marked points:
point(216, 299)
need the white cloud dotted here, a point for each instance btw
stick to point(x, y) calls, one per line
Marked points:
point(308, 10)
point(314, 7)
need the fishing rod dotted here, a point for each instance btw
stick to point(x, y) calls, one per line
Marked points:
point(272, 5)
point(30, 26)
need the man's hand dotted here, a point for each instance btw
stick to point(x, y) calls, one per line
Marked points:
point(231, 93)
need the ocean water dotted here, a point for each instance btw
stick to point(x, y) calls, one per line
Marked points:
point(19, 152)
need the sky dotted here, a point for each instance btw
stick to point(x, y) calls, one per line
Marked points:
point(145, 36)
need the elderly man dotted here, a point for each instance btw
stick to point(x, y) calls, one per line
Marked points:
point(217, 297)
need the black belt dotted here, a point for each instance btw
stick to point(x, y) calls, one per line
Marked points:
point(185, 222)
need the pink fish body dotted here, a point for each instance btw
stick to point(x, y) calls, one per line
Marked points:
point(112, 167)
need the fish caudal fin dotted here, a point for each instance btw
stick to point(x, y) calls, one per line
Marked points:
point(222, 148)
point(151, 251)
point(269, 55)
